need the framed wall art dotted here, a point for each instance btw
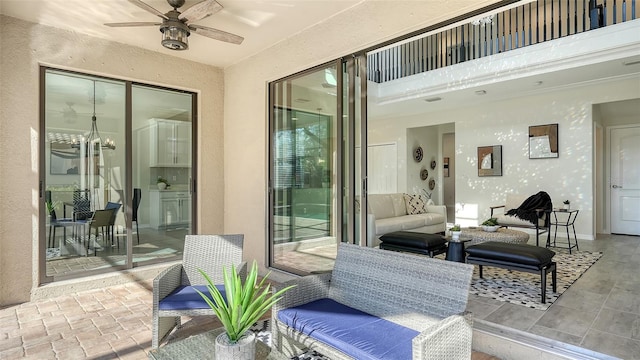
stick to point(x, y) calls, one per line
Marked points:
point(490, 160)
point(543, 141)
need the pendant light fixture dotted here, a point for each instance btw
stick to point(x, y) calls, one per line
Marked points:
point(93, 139)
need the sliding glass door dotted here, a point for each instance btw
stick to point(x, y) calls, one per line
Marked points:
point(106, 146)
point(162, 157)
point(312, 182)
point(302, 167)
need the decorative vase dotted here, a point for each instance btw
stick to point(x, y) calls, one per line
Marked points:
point(455, 235)
point(162, 186)
point(244, 349)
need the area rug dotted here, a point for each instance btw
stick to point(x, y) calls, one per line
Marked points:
point(262, 329)
point(523, 288)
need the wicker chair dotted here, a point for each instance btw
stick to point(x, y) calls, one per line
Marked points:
point(417, 292)
point(211, 253)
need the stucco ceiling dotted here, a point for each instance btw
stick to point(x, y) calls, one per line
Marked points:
point(262, 23)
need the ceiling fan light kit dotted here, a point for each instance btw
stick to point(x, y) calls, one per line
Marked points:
point(176, 26)
point(175, 34)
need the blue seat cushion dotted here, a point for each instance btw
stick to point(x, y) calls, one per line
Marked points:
point(186, 298)
point(355, 333)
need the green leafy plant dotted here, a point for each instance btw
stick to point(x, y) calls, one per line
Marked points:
point(566, 202)
point(162, 180)
point(51, 206)
point(490, 222)
point(244, 303)
point(455, 227)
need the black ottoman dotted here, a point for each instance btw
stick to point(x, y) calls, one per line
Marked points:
point(414, 242)
point(521, 257)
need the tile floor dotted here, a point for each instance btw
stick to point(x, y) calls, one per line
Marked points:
point(600, 311)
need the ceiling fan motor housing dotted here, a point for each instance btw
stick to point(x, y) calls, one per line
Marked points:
point(175, 32)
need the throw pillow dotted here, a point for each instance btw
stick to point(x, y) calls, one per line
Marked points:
point(415, 204)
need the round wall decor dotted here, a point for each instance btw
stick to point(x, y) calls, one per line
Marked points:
point(432, 184)
point(424, 174)
point(433, 164)
point(418, 154)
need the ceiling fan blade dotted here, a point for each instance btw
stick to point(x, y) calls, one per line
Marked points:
point(201, 10)
point(148, 8)
point(216, 34)
point(125, 24)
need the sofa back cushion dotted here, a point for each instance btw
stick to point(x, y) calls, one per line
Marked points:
point(514, 201)
point(386, 205)
point(403, 288)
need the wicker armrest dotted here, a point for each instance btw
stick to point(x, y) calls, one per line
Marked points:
point(167, 281)
point(307, 289)
point(448, 339)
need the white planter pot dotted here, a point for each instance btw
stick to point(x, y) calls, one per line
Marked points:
point(455, 235)
point(162, 186)
point(566, 206)
point(244, 349)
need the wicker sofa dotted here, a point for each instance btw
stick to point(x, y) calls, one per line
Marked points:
point(391, 212)
point(378, 304)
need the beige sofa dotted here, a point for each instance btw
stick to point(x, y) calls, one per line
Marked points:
point(388, 213)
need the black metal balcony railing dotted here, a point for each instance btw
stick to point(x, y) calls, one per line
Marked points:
point(524, 25)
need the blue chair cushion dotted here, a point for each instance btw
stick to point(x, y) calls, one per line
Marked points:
point(355, 333)
point(186, 298)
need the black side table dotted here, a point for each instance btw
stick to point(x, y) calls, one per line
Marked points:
point(455, 248)
point(569, 217)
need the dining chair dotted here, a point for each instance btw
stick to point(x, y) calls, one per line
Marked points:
point(81, 205)
point(137, 196)
point(115, 207)
point(99, 220)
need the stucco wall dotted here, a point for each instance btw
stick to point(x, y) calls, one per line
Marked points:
point(245, 128)
point(24, 46)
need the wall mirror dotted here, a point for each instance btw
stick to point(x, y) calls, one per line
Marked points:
point(543, 141)
point(490, 160)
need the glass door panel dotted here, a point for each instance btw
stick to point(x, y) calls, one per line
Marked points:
point(162, 171)
point(84, 172)
point(302, 172)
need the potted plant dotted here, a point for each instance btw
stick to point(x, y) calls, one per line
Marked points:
point(162, 183)
point(566, 204)
point(241, 307)
point(490, 225)
point(455, 232)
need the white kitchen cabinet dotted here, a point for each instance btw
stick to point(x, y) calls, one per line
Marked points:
point(169, 143)
point(170, 209)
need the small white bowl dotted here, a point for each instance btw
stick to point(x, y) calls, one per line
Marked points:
point(490, 228)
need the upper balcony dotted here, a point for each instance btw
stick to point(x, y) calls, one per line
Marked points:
point(517, 26)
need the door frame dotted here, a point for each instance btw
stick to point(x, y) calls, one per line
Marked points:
point(607, 182)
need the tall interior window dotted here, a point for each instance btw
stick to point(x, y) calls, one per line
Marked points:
point(105, 208)
point(303, 165)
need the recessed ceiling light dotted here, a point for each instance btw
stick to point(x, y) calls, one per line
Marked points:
point(481, 92)
point(433, 99)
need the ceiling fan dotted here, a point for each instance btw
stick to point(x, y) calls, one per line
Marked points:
point(176, 26)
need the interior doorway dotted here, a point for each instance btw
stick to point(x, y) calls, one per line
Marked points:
point(449, 175)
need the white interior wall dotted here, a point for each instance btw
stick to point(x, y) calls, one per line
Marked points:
point(506, 123)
